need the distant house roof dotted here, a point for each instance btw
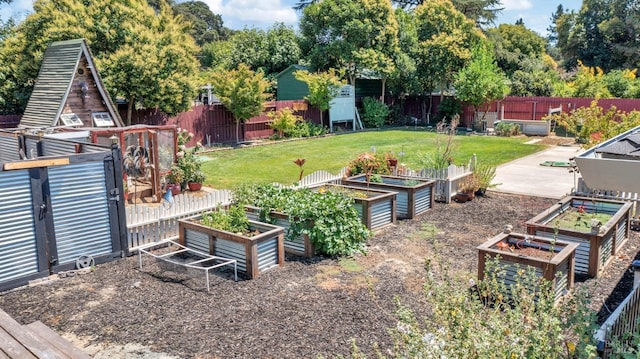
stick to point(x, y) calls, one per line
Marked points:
point(55, 81)
point(627, 146)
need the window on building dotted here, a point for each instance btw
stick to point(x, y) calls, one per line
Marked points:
point(102, 119)
point(71, 119)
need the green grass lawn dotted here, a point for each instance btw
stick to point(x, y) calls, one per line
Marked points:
point(274, 162)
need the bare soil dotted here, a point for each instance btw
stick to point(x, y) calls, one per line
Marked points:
point(305, 309)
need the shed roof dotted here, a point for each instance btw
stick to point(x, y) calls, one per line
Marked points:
point(55, 81)
point(626, 146)
point(292, 68)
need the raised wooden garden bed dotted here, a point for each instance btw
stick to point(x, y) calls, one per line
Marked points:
point(300, 245)
point(552, 260)
point(377, 208)
point(414, 196)
point(254, 254)
point(570, 220)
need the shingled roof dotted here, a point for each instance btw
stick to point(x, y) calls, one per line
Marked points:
point(627, 146)
point(55, 81)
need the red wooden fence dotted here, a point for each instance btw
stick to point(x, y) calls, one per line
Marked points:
point(214, 124)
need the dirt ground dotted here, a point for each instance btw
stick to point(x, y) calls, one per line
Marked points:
point(305, 309)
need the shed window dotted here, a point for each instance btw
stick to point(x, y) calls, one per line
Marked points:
point(102, 119)
point(71, 119)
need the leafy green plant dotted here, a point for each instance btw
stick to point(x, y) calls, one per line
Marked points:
point(491, 319)
point(176, 175)
point(375, 178)
point(330, 220)
point(198, 177)
point(507, 129)
point(449, 108)
point(485, 173)
point(592, 125)
point(374, 112)
point(284, 121)
point(369, 163)
point(233, 219)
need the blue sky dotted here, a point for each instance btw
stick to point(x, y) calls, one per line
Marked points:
point(237, 14)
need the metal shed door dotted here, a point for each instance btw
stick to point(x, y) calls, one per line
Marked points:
point(80, 211)
point(18, 244)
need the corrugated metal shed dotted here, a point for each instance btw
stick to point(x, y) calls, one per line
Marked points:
point(55, 81)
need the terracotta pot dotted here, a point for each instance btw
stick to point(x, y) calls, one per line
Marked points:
point(195, 186)
point(462, 197)
point(175, 188)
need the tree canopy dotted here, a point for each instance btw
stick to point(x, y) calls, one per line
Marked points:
point(144, 56)
point(205, 25)
point(242, 92)
point(445, 39)
point(334, 32)
point(481, 81)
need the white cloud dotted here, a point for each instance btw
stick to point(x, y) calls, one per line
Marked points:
point(17, 9)
point(237, 14)
point(510, 5)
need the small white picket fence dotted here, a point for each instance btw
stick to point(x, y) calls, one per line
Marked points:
point(151, 225)
point(157, 224)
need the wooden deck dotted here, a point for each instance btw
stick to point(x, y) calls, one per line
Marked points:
point(34, 340)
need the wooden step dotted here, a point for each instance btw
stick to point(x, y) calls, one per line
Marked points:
point(33, 341)
point(53, 338)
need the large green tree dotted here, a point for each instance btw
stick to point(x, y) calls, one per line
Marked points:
point(283, 48)
point(144, 56)
point(604, 33)
point(481, 81)
point(445, 39)
point(482, 12)
point(205, 25)
point(334, 32)
point(515, 44)
point(242, 91)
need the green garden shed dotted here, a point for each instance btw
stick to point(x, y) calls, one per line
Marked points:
point(289, 88)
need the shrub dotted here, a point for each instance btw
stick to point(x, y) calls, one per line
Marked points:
point(284, 121)
point(448, 109)
point(485, 173)
point(494, 320)
point(369, 163)
point(374, 112)
point(507, 129)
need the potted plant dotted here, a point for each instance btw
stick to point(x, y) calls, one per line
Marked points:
point(485, 174)
point(467, 188)
point(174, 179)
point(196, 180)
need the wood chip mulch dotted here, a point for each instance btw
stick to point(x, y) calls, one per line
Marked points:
point(306, 309)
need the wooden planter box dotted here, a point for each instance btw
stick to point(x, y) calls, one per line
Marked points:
point(552, 261)
point(377, 208)
point(254, 254)
point(414, 196)
point(596, 248)
point(300, 245)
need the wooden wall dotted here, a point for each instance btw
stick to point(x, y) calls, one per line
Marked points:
point(92, 102)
